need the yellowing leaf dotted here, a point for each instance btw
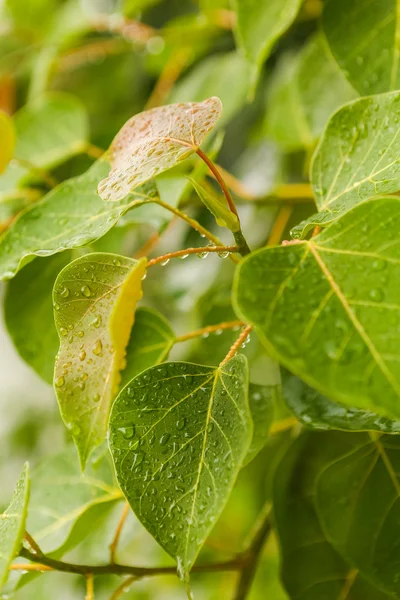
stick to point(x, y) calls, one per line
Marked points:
point(154, 141)
point(94, 304)
point(7, 140)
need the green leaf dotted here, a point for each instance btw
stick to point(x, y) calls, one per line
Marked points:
point(262, 400)
point(311, 569)
point(357, 494)
point(327, 308)
point(319, 412)
point(213, 76)
point(307, 88)
point(7, 137)
point(34, 16)
point(155, 141)
point(29, 313)
point(178, 435)
point(365, 40)
point(94, 304)
point(151, 340)
point(51, 130)
point(357, 158)
point(259, 25)
point(12, 525)
point(70, 216)
point(217, 206)
point(65, 504)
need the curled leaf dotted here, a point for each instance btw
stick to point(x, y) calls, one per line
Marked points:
point(217, 206)
point(154, 141)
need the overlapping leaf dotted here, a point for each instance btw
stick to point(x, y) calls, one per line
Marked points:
point(357, 498)
point(178, 435)
point(95, 298)
point(328, 308)
point(154, 141)
point(262, 400)
point(260, 24)
point(319, 412)
point(365, 40)
point(70, 216)
point(311, 568)
point(7, 137)
point(149, 344)
point(357, 158)
point(12, 524)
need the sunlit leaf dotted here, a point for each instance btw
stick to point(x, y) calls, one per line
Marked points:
point(154, 141)
point(365, 40)
point(357, 498)
point(12, 524)
point(7, 137)
point(178, 435)
point(260, 24)
point(357, 158)
point(311, 569)
point(319, 412)
point(70, 216)
point(217, 206)
point(149, 344)
point(29, 313)
point(94, 304)
point(327, 308)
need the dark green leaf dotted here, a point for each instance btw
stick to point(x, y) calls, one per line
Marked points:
point(178, 435)
point(95, 298)
point(262, 400)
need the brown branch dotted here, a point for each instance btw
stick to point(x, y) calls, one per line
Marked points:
point(121, 523)
point(236, 345)
point(179, 253)
point(209, 329)
point(35, 547)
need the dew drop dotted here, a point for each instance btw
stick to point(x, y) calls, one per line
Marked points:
point(64, 292)
point(85, 291)
point(97, 348)
point(60, 381)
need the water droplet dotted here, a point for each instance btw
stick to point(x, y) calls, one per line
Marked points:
point(202, 255)
point(85, 291)
point(377, 295)
point(60, 381)
point(165, 262)
point(223, 254)
point(144, 276)
point(184, 256)
point(64, 292)
point(82, 355)
point(63, 331)
point(164, 439)
point(97, 348)
point(181, 423)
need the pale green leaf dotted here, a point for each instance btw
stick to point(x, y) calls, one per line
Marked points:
point(311, 569)
point(178, 435)
point(70, 216)
point(357, 498)
point(7, 137)
point(51, 130)
point(307, 88)
point(34, 16)
point(328, 310)
point(213, 76)
point(319, 412)
point(357, 158)
point(155, 141)
point(64, 503)
point(94, 305)
point(365, 40)
point(12, 525)
point(28, 313)
point(217, 206)
point(149, 344)
point(260, 24)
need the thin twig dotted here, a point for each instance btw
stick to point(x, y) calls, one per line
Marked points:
point(124, 587)
point(316, 230)
point(236, 345)
point(168, 77)
point(121, 523)
point(34, 545)
point(89, 587)
point(94, 151)
point(29, 567)
point(179, 253)
point(280, 224)
point(209, 329)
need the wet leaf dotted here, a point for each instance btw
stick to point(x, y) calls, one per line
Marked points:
point(149, 344)
point(341, 338)
point(94, 304)
point(178, 435)
point(357, 158)
point(262, 400)
point(12, 525)
point(154, 141)
point(70, 216)
point(7, 137)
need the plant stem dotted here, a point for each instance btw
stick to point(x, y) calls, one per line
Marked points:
point(200, 250)
point(94, 151)
point(280, 224)
point(236, 345)
point(124, 587)
point(114, 543)
point(89, 587)
point(209, 329)
point(35, 547)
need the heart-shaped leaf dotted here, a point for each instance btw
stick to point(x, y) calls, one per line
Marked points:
point(183, 429)
point(154, 141)
point(357, 158)
point(12, 524)
point(7, 137)
point(365, 42)
point(94, 305)
point(70, 216)
point(328, 308)
point(151, 340)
